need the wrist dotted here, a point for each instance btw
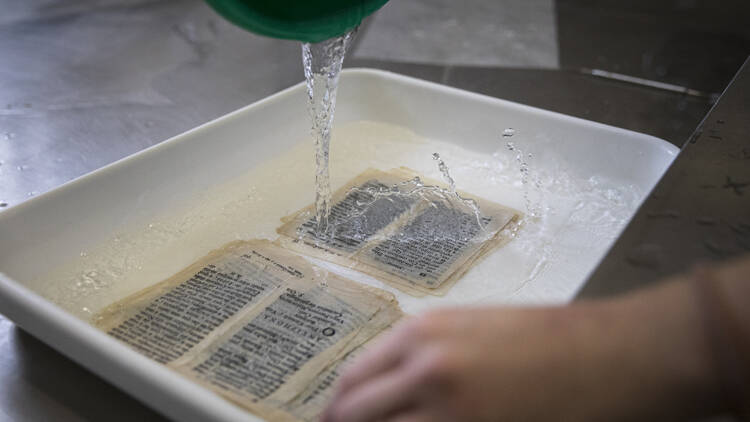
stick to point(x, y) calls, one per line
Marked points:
point(653, 355)
point(725, 333)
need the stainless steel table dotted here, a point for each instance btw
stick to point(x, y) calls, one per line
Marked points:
point(700, 210)
point(84, 83)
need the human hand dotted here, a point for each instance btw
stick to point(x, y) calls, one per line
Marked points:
point(640, 357)
point(467, 365)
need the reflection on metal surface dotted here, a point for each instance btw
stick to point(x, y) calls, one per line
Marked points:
point(87, 83)
point(510, 33)
point(647, 83)
point(699, 211)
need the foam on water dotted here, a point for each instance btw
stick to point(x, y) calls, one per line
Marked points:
point(546, 262)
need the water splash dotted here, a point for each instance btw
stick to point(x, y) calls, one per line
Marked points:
point(369, 208)
point(468, 202)
point(89, 280)
point(529, 181)
point(322, 65)
point(444, 171)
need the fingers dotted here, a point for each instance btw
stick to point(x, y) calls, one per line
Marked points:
point(382, 382)
point(383, 356)
point(375, 399)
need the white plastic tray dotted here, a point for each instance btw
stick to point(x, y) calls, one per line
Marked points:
point(47, 230)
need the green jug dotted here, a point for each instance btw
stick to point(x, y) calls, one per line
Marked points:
point(303, 20)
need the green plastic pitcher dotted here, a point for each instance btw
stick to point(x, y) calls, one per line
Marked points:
point(303, 20)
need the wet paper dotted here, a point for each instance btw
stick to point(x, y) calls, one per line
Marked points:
point(256, 324)
point(403, 233)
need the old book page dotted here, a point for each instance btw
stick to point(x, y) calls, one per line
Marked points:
point(167, 320)
point(254, 323)
point(417, 245)
point(357, 215)
point(309, 404)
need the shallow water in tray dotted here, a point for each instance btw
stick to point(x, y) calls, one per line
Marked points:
point(572, 221)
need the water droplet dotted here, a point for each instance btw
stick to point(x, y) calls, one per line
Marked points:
point(86, 310)
point(507, 133)
point(84, 254)
point(32, 193)
point(9, 135)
